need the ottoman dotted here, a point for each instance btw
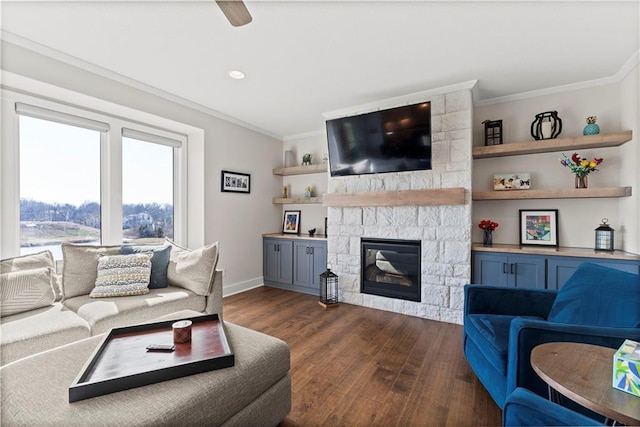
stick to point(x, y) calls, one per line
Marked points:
point(254, 392)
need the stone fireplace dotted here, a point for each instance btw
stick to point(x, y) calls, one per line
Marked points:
point(408, 206)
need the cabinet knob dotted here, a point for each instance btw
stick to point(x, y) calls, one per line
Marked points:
point(504, 268)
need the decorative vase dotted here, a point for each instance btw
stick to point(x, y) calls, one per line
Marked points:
point(591, 129)
point(487, 237)
point(582, 181)
point(307, 194)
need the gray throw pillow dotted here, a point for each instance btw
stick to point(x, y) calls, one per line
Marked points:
point(80, 268)
point(122, 275)
point(159, 262)
point(26, 290)
point(193, 270)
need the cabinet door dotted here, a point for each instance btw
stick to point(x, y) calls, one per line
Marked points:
point(561, 268)
point(527, 271)
point(270, 260)
point(489, 269)
point(301, 264)
point(285, 251)
point(318, 263)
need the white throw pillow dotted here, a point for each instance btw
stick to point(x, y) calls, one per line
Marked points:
point(26, 290)
point(193, 270)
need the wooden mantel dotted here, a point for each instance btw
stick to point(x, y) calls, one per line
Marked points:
point(433, 197)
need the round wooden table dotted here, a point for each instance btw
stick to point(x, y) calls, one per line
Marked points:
point(583, 373)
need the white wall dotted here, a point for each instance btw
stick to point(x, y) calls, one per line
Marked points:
point(312, 215)
point(577, 217)
point(628, 233)
point(235, 220)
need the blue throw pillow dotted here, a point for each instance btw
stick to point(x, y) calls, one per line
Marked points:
point(159, 262)
point(598, 296)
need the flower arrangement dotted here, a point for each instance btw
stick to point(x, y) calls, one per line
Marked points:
point(487, 224)
point(308, 189)
point(579, 166)
point(592, 119)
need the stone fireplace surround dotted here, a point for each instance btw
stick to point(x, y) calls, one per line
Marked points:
point(444, 230)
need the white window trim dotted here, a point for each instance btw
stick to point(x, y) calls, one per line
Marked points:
point(188, 164)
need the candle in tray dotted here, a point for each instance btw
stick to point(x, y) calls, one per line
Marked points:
point(545, 130)
point(182, 331)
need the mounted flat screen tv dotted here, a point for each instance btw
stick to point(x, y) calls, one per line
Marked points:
point(393, 140)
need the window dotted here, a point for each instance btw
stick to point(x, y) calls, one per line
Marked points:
point(88, 181)
point(147, 188)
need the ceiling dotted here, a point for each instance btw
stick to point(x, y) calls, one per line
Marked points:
point(304, 58)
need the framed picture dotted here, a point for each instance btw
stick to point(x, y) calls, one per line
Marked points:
point(539, 227)
point(235, 182)
point(291, 222)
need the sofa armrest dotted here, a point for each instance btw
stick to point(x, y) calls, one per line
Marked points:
point(525, 334)
point(488, 299)
point(214, 299)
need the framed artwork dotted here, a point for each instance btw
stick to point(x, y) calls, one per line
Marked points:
point(539, 227)
point(291, 222)
point(235, 182)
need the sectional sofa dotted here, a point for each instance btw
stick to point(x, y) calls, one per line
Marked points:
point(42, 309)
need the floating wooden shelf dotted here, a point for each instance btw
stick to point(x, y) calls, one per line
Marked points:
point(297, 200)
point(569, 193)
point(435, 197)
point(301, 170)
point(551, 145)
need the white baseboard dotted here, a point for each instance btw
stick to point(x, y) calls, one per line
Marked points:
point(236, 288)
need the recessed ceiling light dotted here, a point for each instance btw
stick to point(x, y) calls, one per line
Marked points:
point(235, 74)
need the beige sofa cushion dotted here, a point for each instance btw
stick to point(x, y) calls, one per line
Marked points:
point(193, 269)
point(30, 262)
point(32, 332)
point(26, 290)
point(80, 268)
point(105, 313)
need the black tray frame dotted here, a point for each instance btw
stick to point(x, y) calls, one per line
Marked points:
point(81, 389)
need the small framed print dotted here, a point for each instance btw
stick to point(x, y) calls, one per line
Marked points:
point(235, 182)
point(539, 227)
point(291, 222)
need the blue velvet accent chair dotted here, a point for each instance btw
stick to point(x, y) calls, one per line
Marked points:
point(597, 305)
point(525, 408)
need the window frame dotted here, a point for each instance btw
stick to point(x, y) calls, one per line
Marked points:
point(188, 160)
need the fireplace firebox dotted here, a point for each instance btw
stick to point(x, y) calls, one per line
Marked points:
point(391, 268)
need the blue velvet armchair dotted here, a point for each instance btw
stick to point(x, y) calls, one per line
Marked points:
point(524, 408)
point(597, 305)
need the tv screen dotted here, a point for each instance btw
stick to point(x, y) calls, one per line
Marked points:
point(393, 140)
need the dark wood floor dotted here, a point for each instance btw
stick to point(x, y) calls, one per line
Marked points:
point(356, 366)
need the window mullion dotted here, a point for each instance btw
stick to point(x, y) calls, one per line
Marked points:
point(111, 187)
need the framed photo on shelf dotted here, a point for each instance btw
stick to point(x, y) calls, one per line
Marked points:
point(235, 182)
point(291, 222)
point(539, 227)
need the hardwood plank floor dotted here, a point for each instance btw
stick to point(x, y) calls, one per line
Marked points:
point(357, 366)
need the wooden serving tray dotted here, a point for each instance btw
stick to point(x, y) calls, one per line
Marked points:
point(122, 361)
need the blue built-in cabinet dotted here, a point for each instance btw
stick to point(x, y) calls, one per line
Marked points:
point(507, 265)
point(294, 262)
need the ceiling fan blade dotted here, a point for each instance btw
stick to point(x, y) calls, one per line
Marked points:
point(235, 11)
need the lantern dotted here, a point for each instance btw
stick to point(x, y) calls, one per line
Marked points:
point(492, 132)
point(604, 236)
point(546, 126)
point(328, 289)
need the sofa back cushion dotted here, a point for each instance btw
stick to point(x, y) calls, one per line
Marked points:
point(80, 268)
point(159, 262)
point(598, 296)
point(26, 290)
point(193, 269)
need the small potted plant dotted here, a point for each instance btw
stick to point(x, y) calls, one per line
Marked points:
point(308, 191)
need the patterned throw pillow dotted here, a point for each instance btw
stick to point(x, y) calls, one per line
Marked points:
point(26, 290)
point(122, 275)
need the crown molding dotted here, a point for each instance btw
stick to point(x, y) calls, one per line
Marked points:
point(626, 68)
point(119, 78)
point(319, 132)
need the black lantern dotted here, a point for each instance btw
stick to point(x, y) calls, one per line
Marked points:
point(547, 125)
point(604, 236)
point(492, 132)
point(328, 289)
